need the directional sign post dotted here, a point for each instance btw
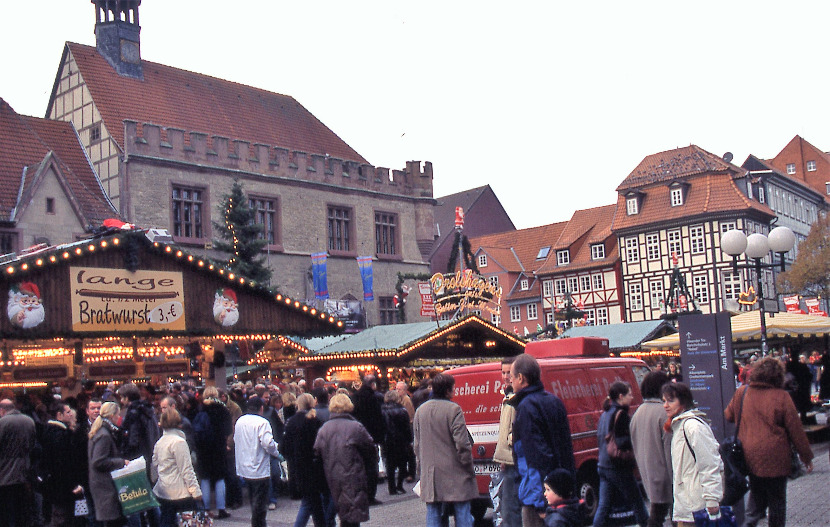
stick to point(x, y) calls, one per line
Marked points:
point(706, 355)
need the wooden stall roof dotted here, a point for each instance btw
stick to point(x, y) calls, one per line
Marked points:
point(48, 271)
point(466, 337)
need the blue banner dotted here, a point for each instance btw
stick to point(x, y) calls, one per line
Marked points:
point(318, 272)
point(365, 265)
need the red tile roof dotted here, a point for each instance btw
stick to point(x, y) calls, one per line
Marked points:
point(177, 98)
point(672, 165)
point(519, 247)
point(585, 228)
point(26, 142)
point(711, 188)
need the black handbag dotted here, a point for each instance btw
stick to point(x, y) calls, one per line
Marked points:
point(735, 469)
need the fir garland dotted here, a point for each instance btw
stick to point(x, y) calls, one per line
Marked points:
point(469, 259)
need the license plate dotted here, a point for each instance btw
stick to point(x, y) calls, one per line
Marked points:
point(486, 468)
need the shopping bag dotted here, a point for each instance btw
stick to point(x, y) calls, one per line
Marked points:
point(726, 518)
point(197, 518)
point(133, 489)
point(81, 508)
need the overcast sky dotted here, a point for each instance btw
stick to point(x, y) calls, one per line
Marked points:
point(551, 103)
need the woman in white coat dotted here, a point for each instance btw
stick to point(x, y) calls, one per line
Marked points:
point(176, 488)
point(696, 464)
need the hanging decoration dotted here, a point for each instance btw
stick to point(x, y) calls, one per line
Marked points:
point(364, 263)
point(318, 273)
point(469, 257)
point(679, 300)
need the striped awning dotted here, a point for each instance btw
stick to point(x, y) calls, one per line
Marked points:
point(747, 327)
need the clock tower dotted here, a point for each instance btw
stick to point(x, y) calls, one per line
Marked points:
point(117, 35)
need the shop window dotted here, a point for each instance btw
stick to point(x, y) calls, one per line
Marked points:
point(188, 212)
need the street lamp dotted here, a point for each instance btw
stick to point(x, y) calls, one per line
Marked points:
point(756, 247)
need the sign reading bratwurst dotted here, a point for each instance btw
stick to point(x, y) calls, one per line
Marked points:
point(116, 300)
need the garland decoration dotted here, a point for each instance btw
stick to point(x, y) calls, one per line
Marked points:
point(469, 259)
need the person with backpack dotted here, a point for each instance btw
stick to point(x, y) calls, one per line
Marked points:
point(211, 429)
point(696, 464)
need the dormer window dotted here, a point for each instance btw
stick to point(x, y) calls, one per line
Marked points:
point(563, 257)
point(677, 196)
point(482, 260)
point(524, 284)
point(597, 251)
point(632, 205)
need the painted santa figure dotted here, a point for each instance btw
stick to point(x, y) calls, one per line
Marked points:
point(25, 309)
point(225, 307)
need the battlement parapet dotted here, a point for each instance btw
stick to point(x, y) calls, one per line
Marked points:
point(175, 144)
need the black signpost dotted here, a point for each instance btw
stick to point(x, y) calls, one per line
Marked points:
point(706, 355)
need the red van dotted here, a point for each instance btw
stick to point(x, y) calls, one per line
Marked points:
point(580, 375)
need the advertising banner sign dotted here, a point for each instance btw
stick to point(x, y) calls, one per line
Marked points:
point(706, 356)
point(106, 299)
point(427, 305)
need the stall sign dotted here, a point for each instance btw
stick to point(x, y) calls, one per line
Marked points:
point(427, 304)
point(36, 374)
point(112, 371)
point(163, 368)
point(118, 300)
point(464, 290)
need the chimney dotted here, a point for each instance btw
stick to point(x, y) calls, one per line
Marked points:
point(117, 35)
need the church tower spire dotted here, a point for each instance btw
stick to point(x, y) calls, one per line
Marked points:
point(117, 35)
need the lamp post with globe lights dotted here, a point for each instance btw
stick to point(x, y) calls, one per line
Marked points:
point(756, 247)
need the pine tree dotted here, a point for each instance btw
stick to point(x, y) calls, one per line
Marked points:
point(240, 237)
point(810, 273)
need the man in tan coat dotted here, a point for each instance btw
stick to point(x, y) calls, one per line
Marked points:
point(445, 457)
point(510, 508)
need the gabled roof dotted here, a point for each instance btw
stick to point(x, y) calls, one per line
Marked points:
point(32, 143)
point(710, 189)
point(444, 215)
point(517, 250)
point(625, 336)
point(178, 98)
point(798, 152)
point(585, 228)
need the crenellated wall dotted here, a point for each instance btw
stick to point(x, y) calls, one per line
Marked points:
point(196, 147)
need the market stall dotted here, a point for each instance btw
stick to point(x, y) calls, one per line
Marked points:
point(124, 307)
point(782, 328)
point(407, 351)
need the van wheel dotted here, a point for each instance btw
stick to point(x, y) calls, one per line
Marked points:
point(588, 488)
point(478, 508)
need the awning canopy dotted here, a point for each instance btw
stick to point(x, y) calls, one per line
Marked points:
point(747, 327)
point(623, 337)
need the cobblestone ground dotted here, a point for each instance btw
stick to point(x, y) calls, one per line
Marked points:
point(807, 504)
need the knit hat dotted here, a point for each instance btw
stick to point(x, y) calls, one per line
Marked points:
point(562, 482)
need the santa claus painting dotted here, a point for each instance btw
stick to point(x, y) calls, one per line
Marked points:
point(225, 307)
point(25, 308)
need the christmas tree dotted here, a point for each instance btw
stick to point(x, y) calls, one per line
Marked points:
point(240, 237)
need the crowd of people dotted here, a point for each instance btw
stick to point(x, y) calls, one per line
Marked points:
point(321, 444)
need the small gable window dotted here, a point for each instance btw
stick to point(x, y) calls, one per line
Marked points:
point(597, 251)
point(676, 196)
point(811, 166)
point(524, 284)
point(482, 260)
point(563, 257)
point(95, 133)
point(790, 168)
point(632, 206)
point(50, 205)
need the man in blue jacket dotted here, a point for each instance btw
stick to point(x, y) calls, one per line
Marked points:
point(541, 436)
